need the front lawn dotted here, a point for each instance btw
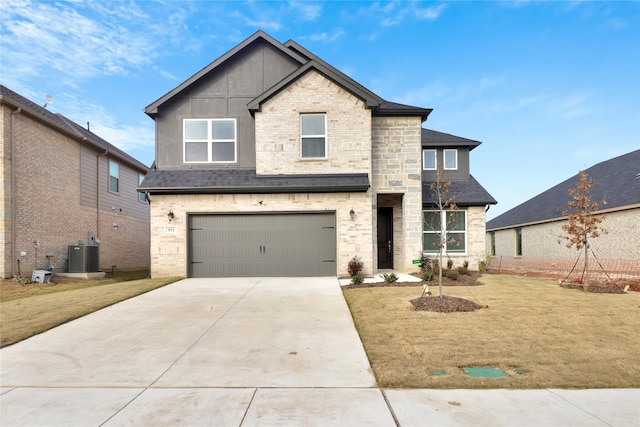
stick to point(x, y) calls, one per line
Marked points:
point(29, 309)
point(541, 335)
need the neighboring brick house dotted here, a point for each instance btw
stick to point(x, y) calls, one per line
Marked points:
point(62, 184)
point(528, 234)
point(271, 162)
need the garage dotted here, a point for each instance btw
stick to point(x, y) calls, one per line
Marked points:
point(253, 245)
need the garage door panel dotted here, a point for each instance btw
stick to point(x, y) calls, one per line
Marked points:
point(262, 245)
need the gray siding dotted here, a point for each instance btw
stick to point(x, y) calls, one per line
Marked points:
point(224, 93)
point(458, 175)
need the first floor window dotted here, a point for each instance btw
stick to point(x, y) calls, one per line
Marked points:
point(114, 177)
point(493, 243)
point(518, 241)
point(313, 135)
point(454, 238)
point(429, 160)
point(210, 141)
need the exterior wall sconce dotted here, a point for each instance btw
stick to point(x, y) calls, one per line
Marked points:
point(352, 214)
point(170, 215)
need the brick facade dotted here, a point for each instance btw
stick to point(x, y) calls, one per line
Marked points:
point(46, 196)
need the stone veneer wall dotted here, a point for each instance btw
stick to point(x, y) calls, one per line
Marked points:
point(541, 240)
point(396, 159)
point(169, 251)
point(278, 129)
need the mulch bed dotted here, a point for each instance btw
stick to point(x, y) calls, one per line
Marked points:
point(433, 303)
point(594, 289)
point(445, 304)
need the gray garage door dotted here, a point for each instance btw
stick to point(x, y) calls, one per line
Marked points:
point(254, 245)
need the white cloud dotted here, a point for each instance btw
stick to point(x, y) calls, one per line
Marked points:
point(327, 37)
point(308, 11)
point(429, 13)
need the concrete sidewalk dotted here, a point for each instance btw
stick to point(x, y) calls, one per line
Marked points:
point(244, 352)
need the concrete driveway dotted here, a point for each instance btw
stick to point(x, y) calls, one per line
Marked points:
point(245, 352)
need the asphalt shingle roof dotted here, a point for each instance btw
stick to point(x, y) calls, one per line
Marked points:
point(432, 138)
point(68, 126)
point(465, 193)
point(225, 181)
point(616, 181)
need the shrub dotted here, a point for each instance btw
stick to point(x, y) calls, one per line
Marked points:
point(355, 266)
point(426, 263)
point(357, 279)
point(449, 264)
point(462, 270)
point(452, 274)
point(389, 277)
point(465, 264)
point(428, 276)
point(483, 264)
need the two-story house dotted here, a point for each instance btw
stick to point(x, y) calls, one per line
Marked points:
point(271, 162)
point(63, 185)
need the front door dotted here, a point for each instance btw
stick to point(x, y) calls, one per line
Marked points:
point(385, 238)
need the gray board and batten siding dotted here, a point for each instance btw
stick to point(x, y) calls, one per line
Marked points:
point(254, 245)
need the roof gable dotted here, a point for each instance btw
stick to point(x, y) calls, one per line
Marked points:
point(615, 181)
point(152, 109)
point(307, 61)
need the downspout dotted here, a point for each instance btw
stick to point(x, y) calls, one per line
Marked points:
point(14, 203)
point(98, 193)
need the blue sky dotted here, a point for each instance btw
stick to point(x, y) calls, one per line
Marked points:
point(550, 88)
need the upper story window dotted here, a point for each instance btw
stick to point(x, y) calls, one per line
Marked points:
point(141, 196)
point(114, 177)
point(455, 231)
point(313, 135)
point(210, 141)
point(450, 159)
point(429, 160)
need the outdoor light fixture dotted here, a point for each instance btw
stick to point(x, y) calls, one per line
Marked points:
point(170, 215)
point(352, 214)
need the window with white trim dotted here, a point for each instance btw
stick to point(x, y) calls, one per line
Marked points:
point(429, 160)
point(313, 136)
point(455, 232)
point(114, 176)
point(450, 159)
point(210, 141)
point(142, 197)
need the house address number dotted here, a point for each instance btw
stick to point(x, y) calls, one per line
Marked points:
point(170, 230)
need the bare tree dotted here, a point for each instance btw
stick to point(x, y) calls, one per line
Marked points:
point(582, 223)
point(444, 203)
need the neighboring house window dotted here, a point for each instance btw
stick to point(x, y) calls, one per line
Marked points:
point(455, 231)
point(141, 196)
point(429, 160)
point(493, 243)
point(450, 159)
point(313, 133)
point(114, 177)
point(518, 241)
point(210, 141)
